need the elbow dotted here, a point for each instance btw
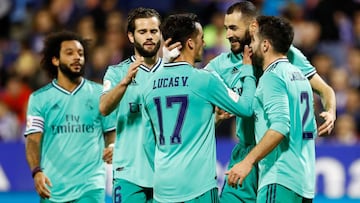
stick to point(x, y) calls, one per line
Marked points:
point(103, 110)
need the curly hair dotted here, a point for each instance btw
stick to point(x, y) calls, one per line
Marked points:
point(52, 46)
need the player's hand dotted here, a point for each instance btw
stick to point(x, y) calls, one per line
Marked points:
point(170, 52)
point(247, 55)
point(133, 69)
point(108, 154)
point(42, 182)
point(221, 114)
point(326, 127)
point(238, 173)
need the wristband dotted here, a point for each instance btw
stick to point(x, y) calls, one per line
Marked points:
point(111, 145)
point(36, 170)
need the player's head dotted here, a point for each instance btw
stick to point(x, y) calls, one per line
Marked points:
point(186, 29)
point(274, 36)
point(144, 31)
point(237, 20)
point(64, 52)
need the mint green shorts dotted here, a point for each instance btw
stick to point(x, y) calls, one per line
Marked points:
point(248, 191)
point(127, 192)
point(92, 196)
point(211, 196)
point(277, 193)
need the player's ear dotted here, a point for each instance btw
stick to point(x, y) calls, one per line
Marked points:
point(131, 37)
point(55, 61)
point(253, 27)
point(190, 43)
point(266, 45)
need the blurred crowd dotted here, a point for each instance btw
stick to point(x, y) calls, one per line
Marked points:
point(327, 31)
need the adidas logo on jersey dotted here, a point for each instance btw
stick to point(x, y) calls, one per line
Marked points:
point(234, 70)
point(133, 82)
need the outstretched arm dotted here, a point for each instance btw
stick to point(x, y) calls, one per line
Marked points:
point(328, 99)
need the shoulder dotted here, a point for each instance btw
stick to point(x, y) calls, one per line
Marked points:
point(122, 65)
point(93, 86)
point(42, 90)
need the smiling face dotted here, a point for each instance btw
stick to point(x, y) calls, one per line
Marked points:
point(237, 31)
point(146, 36)
point(72, 59)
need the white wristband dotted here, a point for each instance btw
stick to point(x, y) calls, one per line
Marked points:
point(111, 145)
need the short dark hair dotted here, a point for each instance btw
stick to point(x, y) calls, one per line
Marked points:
point(140, 12)
point(247, 9)
point(180, 27)
point(277, 30)
point(52, 46)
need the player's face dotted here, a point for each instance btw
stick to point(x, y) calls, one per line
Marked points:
point(147, 36)
point(237, 32)
point(257, 57)
point(72, 59)
point(199, 43)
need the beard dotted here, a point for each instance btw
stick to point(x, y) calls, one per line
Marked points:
point(258, 63)
point(246, 40)
point(69, 73)
point(144, 52)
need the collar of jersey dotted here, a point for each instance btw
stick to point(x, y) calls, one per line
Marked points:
point(272, 65)
point(145, 68)
point(54, 83)
point(173, 64)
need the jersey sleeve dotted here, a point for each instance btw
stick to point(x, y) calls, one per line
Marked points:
point(109, 122)
point(111, 79)
point(34, 116)
point(217, 93)
point(276, 103)
point(300, 61)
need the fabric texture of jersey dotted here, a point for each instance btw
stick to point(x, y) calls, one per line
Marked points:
point(72, 141)
point(284, 103)
point(134, 151)
point(180, 101)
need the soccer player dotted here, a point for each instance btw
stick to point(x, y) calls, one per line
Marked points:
point(133, 153)
point(238, 19)
point(285, 126)
point(65, 132)
point(180, 101)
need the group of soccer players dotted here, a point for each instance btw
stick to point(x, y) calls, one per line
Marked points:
point(164, 115)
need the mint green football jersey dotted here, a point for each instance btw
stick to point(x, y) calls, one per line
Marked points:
point(229, 65)
point(134, 150)
point(284, 103)
point(180, 100)
point(72, 140)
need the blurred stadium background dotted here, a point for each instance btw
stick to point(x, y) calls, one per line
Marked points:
point(327, 31)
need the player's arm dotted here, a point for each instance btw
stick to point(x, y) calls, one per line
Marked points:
point(33, 148)
point(276, 107)
point(109, 100)
point(238, 173)
point(328, 99)
point(109, 138)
